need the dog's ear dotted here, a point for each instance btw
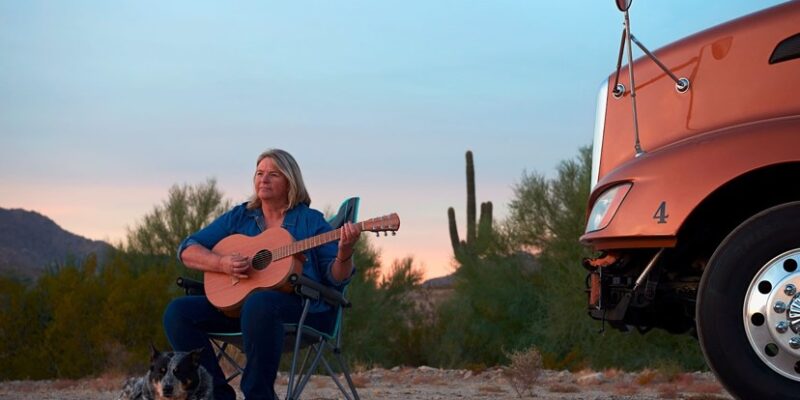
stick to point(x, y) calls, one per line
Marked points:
point(196, 356)
point(154, 353)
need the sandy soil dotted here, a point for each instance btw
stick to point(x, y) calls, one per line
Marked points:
point(425, 383)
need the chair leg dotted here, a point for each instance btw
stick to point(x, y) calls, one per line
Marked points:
point(222, 353)
point(343, 365)
point(305, 361)
point(306, 374)
point(335, 379)
point(301, 372)
point(345, 372)
point(297, 341)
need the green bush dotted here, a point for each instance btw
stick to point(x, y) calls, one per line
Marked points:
point(80, 319)
point(384, 327)
point(493, 306)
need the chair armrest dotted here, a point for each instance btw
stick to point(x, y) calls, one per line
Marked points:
point(191, 286)
point(309, 288)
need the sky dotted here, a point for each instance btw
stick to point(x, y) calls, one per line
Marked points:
point(105, 105)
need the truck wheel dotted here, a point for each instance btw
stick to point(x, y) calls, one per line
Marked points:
point(748, 307)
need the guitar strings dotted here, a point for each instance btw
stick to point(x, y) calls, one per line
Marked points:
point(305, 244)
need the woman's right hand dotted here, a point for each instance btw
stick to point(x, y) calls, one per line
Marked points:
point(235, 265)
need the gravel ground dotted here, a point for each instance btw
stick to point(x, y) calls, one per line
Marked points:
point(425, 383)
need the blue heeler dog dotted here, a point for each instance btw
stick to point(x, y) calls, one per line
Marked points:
point(173, 376)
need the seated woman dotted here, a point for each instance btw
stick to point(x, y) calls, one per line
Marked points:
point(280, 199)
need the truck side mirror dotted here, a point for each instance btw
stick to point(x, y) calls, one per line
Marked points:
point(624, 5)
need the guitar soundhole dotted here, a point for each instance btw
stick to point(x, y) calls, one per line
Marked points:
point(262, 259)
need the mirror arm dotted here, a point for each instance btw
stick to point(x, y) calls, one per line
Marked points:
point(619, 89)
point(636, 144)
point(681, 84)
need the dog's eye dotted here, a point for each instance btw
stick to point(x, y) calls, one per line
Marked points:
point(163, 370)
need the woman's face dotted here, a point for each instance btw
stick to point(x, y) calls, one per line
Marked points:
point(270, 184)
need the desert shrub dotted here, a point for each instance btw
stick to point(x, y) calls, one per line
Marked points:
point(186, 209)
point(493, 304)
point(524, 370)
point(138, 288)
point(384, 327)
point(82, 318)
point(20, 332)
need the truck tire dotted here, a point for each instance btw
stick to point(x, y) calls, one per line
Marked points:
point(748, 307)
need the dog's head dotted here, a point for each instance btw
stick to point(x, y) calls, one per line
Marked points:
point(174, 375)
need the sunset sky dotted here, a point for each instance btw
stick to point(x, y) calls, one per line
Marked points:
point(105, 105)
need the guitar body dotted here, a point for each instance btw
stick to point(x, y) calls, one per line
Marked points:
point(228, 293)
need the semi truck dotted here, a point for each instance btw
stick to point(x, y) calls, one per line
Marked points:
point(694, 212)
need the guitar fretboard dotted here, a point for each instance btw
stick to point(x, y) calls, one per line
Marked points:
point(305, 244)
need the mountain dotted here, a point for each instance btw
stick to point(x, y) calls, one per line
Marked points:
point(441, 282)
point(30, 243)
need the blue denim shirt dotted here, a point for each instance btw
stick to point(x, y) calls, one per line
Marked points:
point(301, 222)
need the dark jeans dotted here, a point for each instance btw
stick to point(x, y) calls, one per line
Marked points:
point(188, 319)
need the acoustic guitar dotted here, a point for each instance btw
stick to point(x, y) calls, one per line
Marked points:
point(274, 255)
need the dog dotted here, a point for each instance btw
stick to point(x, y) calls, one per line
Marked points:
point(172, 376)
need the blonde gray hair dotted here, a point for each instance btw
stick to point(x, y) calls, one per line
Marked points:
point(287, 165)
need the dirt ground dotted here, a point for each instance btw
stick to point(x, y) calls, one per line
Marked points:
point(425, 383)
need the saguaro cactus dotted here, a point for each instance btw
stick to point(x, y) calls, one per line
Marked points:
point(476, 241)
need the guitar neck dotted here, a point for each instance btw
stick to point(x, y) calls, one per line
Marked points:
point(309, 243)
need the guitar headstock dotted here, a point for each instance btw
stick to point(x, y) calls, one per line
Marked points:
point(386, 223)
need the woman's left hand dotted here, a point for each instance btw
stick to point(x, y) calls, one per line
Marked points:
point(350, 234)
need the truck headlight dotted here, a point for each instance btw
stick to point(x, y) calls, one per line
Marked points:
point(606, 206)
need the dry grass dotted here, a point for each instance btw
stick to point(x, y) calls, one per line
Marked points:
point(63, 384)
point(360, 367)
point(360, 381)
point(476, 368)
point(428, 380)
point(671, 371)
point(683, 379)
point(613, 373)
point(704, 388)
point(490, 389)
point(106, 383)
point(648, 376)
point(524, 371)
point(625, 389)
point(321, 381)
point(399, 377)
point(561, 388)
point(667, 391)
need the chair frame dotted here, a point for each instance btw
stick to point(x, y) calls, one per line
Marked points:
point(316, 341)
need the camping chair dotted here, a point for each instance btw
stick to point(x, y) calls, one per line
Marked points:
point(299, 335)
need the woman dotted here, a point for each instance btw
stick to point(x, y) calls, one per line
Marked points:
point(280, 199)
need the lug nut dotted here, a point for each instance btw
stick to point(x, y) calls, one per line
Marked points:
point(782, 327)
point(790, 290)
point(795, 342)
point(780, 307)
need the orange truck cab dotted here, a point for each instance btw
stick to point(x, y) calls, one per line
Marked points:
point(695, 202)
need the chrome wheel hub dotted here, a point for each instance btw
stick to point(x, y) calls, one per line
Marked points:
point(772, 314)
